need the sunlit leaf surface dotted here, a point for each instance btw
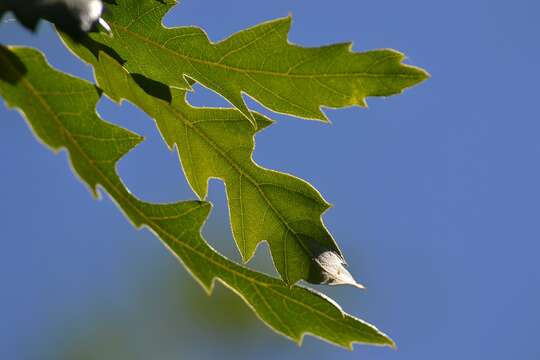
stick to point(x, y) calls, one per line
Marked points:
point(60, 109)
point(258, 61)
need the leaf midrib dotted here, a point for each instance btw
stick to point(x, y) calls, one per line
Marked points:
point(257, 71)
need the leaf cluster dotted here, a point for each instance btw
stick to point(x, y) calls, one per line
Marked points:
point(154, 67)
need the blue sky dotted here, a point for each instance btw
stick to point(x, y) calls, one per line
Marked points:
point(435, 192)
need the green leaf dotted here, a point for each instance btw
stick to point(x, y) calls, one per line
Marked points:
point(258, 61)
point(218, 143)
point(94, 146)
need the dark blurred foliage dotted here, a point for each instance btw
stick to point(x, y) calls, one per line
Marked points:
point(72, 16)
point(166, 314)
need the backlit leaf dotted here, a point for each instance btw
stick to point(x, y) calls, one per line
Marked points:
point(95, 146)
point(263, 204)
point(258, 61)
